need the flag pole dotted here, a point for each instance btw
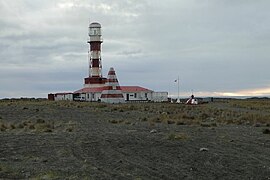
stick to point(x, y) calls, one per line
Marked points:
point(178, 87)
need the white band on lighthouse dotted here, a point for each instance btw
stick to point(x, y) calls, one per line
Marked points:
point(95, 50)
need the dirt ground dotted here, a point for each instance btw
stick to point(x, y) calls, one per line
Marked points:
point(78, 140)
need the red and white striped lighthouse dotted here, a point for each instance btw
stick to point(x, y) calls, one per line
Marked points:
point(112, 92)
point(95, 78)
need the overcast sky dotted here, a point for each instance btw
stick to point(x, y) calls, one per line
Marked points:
point(216, 47)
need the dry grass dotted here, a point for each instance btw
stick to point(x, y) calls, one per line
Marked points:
point(37, 126)
point(177, 136)
point(245, 112)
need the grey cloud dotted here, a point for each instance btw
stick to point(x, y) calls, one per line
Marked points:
point(212, 45)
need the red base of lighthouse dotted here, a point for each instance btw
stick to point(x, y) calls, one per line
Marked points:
point(94, 81)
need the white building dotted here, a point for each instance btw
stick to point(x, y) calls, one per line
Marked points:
point(63, 96)
point(160, 96)
point(131, 93)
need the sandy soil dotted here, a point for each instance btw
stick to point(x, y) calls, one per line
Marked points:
point(60, 140)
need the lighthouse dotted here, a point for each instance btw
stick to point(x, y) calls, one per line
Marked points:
point(98, 88)
point(95, 78)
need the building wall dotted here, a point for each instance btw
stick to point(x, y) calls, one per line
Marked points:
point(128, 96)
point(160, 96)
point(93, 96)
point(59, 97)
point(138, 96)
point(51, 97)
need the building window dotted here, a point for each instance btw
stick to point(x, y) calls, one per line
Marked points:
point(145, 95)
point(135, 95)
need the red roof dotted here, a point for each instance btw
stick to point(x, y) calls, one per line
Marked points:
point(63, 93)
point(133, 89)
point(128, 89)
point(88, 90)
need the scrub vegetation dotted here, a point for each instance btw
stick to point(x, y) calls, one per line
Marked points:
point(224, 139)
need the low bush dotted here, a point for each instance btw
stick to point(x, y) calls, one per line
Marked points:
point(177, 136)
point(180, 123)
point(69, 129)
point(266, 131)
point(170, 122)
point(40, 121)
point(12, 126)
point(113, 121)
point(143, 119)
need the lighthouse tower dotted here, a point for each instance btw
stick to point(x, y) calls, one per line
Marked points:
point(112, 92)
point(95, 78)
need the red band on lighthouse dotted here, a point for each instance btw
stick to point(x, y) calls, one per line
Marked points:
point(112, 92)
point(95, 50)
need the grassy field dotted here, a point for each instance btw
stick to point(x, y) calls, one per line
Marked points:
point(80, 140)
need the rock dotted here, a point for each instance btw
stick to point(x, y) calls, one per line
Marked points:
point(204, 149)
point(153, 131)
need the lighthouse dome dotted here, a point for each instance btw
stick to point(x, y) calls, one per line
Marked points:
point(95, 25)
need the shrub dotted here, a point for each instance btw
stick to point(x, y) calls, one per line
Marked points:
point(31, 126)
point(43, 127)
point(266, 131)
point(143, 119)
point(113, 121)
point(25, 123)
point(101, 106)
point(12, 126)
point(186, 116)
point(213, 124)
point(204, 116)
point(69, 129)
point(20, 126)
point(3, 127)
point(47, 130)
point(170, 121)
point(177, 136)
point(155, 119)
point(180, 123)
point(40, 121)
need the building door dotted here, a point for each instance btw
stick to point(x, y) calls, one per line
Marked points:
point(127, 97)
